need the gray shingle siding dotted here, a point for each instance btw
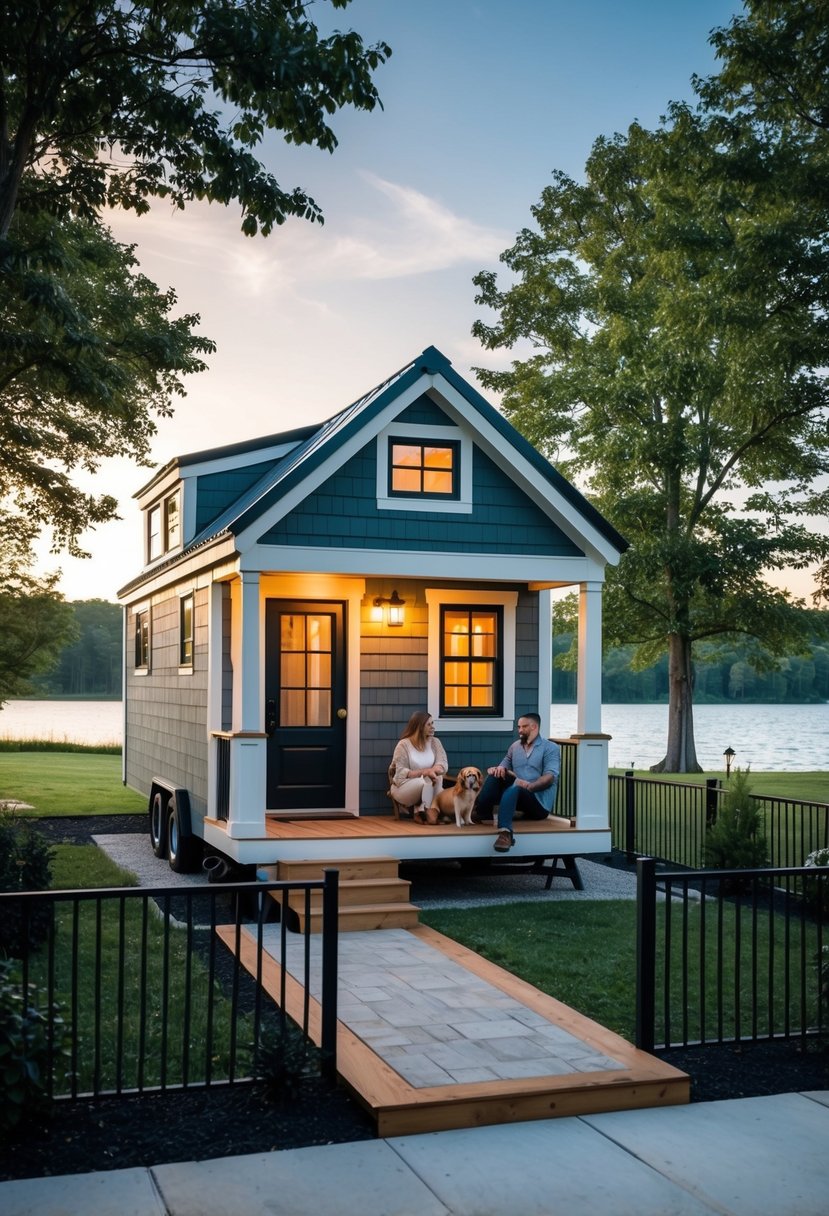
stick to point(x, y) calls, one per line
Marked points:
point(167, 711)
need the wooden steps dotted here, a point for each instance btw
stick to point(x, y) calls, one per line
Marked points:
point(371, 894)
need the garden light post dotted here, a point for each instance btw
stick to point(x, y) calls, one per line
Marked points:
point(728, 756)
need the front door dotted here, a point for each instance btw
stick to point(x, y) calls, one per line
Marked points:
point(305, 712)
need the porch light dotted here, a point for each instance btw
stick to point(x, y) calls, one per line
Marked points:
point(395, 604)
point(728, 756)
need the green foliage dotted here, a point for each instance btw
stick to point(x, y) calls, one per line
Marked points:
point(35, 620)
point(737, 840)
point(816, 892)
point(283, 1060)
point(92, 352)
point(25, 865)
point(91, 664)
point(109, 104)
point(676, 305)
point(31, 1036)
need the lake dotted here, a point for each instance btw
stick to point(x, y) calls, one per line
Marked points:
point(777, 738)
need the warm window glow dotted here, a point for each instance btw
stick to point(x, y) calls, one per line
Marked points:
point(306, 669)
point(186, 632)
point(424, 469)
point(470, 662)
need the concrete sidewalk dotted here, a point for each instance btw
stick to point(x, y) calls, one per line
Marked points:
point(747, 1157)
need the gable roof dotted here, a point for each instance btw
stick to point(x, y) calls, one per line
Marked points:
point(313, 446)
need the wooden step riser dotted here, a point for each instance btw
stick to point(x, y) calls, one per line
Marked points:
point(350, 895)
point(354, 920)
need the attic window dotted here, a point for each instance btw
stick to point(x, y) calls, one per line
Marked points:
point(424, 469)
point(163, 527)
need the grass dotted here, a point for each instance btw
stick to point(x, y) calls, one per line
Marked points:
point(67, 783)
point(136, 988)
point(58, 745)
point(805, 787)
point(719, 984)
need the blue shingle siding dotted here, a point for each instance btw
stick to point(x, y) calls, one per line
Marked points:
point(216, 491)
point(343, 513)
point(424, 412)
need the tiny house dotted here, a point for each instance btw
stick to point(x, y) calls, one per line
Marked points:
point(300, 595)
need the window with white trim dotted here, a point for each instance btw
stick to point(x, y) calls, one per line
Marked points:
point(186, 626)
point(141, 637)
point(164, 526)
point(472, 659)
point(423, 468)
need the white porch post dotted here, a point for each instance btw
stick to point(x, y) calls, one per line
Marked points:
point(591, 786)
point(248, 761)
point(214, 688)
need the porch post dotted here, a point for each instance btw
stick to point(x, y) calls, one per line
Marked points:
point(248, 760)
point(214, 688)
point(591, 785)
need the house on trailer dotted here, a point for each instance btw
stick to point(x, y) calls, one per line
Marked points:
point(302, 594)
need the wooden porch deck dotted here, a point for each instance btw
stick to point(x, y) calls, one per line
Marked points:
point(623, 1078)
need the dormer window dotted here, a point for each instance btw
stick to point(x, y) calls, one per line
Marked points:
point(163, 527)
point(428, 469)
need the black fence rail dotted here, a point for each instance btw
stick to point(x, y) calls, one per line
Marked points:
point(730, 956)
point(144, 990)
point(669, 820)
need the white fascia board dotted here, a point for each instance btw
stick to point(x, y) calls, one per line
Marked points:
point(562, 512)
point(218, 559)
point(240, 460)
point(339, 455)
point(477, 568)
point(158, 488)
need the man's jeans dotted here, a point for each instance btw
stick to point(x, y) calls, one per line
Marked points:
point(511, 797)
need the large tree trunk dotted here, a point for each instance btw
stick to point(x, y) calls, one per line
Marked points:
point(681, 754)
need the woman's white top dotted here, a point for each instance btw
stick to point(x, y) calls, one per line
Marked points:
point(424, 759)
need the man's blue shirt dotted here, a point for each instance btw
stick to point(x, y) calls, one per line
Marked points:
point(544, 757)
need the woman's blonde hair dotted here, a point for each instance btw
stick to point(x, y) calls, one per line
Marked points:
point(416, 728)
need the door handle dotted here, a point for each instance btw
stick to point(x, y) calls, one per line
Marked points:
point(270, 716)
point(342, 713)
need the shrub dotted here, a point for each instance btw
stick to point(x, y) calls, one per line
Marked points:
point(816, 890)
point(25, 865)
point(29, 1035)
point(737, 841)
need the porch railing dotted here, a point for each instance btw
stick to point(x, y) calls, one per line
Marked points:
point(730, 955)
point(669, 820)
point(568, 778)
point(138, 992)
point(222, 777)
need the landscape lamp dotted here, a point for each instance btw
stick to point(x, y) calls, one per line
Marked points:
point(728, 756)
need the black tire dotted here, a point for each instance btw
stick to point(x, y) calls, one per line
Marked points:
point(183, 851)
point(158, 824)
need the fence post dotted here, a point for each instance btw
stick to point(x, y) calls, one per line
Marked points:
point(630, 815)
point(645, 952)
point(330, 930)
point(712, 801)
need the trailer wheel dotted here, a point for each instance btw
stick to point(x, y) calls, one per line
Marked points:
point(182, 850)
point(158, 824)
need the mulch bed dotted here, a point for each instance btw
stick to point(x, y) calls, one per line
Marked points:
point(196, 1125)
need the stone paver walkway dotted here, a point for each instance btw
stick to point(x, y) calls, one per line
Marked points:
point(430, 1019)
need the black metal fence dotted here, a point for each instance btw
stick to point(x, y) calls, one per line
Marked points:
point(731, 955)
point(143, 990)
point(669, 820)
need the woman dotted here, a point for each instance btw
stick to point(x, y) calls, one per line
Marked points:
point(418, 763)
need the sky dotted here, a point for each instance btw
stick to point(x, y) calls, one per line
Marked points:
point(482, 101)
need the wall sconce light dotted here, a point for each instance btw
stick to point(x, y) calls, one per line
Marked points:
point(728, 756)
point(395, 604)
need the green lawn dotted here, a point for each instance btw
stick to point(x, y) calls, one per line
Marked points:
point(806, 787)
point(67, 783)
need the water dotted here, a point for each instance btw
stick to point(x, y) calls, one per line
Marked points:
point(775, 738)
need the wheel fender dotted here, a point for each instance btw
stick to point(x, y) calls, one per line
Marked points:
point(180, 800)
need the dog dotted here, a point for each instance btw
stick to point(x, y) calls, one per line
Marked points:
point(459, 799)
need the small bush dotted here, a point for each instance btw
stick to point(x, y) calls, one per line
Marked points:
point(283, 1060)
point(737, 841)
point(816, 890)
point(29, 1035)
point(25, 865)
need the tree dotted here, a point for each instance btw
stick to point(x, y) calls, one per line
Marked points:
point(113, 103)
point(35, 620)
point(676, 307)
point(89, 353)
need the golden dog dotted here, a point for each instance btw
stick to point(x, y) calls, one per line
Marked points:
point(459, 799)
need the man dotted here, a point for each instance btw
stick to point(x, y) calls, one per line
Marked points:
point(524, 781)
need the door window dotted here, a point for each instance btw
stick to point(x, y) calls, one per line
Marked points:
point(306, 667)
